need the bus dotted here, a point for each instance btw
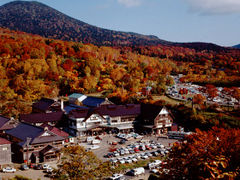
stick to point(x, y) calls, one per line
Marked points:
point(177, 134)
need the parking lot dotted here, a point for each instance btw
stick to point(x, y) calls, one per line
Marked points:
point(106, 141)
point(31, 173)
point(104, 147)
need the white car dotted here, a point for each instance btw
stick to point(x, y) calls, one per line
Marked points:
point(128, 161)
point(45, 166)
point(117, 176)
point(95, 141)
point(137, 156)
point(155, 171)
point(122, 161)
point(49, 169)
point(94, 147)
point(8, 170)
point(113, 160)
point(144, 157)
point(134, 160)
point(137, 171)
point(116, 154)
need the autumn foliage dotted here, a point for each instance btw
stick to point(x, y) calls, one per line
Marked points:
point(212, 154)
point(76, 164)
point(33, 67)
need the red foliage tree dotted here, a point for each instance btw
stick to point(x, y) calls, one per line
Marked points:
point(212, 154)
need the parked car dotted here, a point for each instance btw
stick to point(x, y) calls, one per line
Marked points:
point(114, 143)
point(24, 167)
point(38, 167)
point(153, 146)
point(45, 166)
point(126, 151)
point(137, 156)
point(113, 160)
point(136, 171)
point(116, 154)
point(155, 171)
point(95, 141)
point(122, 141)
point(159, 145)
point(154, 164)
point(122, 152)
point(89, 139)
point(148, 147)
point(142, 148)
point(128, 160)
point(92, 147)
point(131, 151)
point(117, 177)
point(49, 169)
point(8, 170)
point(134, 159)
point(122, 161)
point(109, 155)
point(99, 138)
point(155, 153)
point(32, 165)
point(144, 157)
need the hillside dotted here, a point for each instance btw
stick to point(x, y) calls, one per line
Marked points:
point(37, 18)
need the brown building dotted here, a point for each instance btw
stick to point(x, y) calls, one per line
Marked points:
point(5, 151)
point(115, 118)
point(6, 123)
point(155, 119)
point(46, 105)
point(38, 119)
point(30, 143)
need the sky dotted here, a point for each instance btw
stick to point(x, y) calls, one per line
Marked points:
point(215, 21)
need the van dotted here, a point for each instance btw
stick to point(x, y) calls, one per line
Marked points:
point(95, 141)
point(137, 171)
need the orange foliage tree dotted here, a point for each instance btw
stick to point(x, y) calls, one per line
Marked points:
point(212, 154)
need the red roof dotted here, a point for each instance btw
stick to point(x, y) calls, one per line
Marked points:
point(4, 141)
point(56, 131)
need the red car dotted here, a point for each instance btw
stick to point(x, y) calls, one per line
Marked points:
point(147, 147)
point(99, 138)
point(114, 143)
point(136, 150)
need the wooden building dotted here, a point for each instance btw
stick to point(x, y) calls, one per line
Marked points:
point(5, 152)
point(155, 119)
point(29, 142)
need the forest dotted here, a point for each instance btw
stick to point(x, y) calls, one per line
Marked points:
point(33, 67)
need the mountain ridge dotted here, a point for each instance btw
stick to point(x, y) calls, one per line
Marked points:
point(237, 46)
point(37, 18)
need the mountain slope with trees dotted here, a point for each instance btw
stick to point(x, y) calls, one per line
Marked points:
point(37, 18)
point(33, 67)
